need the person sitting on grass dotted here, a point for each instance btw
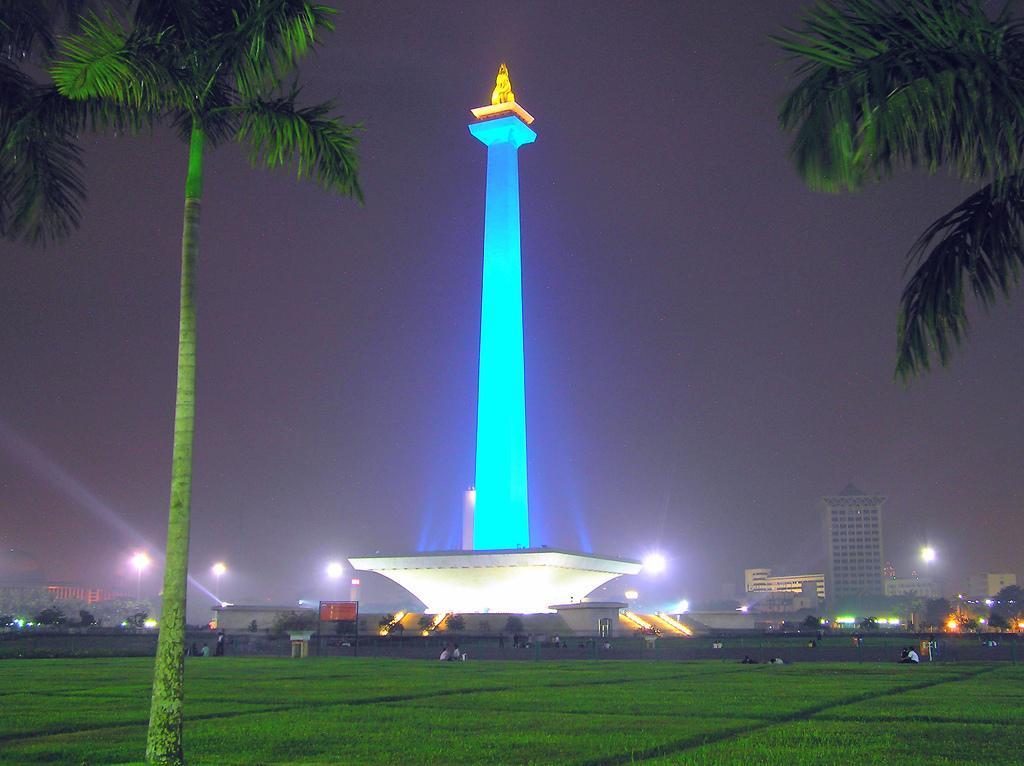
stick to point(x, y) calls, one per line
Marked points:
point(909, 657)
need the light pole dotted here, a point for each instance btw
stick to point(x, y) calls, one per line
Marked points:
point(140, 561)
point(218, 569)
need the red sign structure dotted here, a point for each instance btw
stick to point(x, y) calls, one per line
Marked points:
point(339, 611)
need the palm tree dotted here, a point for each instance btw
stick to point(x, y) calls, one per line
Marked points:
point(937, 84)
point(41, 188)
point(214, 69)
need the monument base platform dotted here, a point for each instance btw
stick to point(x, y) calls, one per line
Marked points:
point(521, 581)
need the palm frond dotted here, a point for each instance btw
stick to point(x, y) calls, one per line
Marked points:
point(24, 26)
point(106, 61)
point(979, 243)
point(40, 173)
point(904, 82)
point(321, 147)
point(30, 26)
point(15, 87)
point(267, 38)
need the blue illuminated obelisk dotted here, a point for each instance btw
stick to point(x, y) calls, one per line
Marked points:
point(501, 518)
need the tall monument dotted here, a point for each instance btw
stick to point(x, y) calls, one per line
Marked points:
point(501, 518)
point(497, 570)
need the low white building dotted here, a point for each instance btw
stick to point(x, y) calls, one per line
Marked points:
point(255, 618)
point(914, 587)
point(988, 584)
point(762, 581)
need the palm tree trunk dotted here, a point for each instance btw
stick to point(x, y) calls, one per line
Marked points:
point(166, 714)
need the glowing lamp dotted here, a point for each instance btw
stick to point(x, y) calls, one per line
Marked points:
point(335, 570)
point(928, 554)
point(140, 561)
point(219, 568)
point(655, 563)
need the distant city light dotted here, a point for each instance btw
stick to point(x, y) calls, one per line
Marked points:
point(655, 563)
point(150, 623)
point(953, 624)
point(335, 570)
point(632, 595)
point(989, 602)
point(928, 554)
point(743, 609)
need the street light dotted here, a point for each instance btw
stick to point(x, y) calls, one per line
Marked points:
point(335, 570)
point(927, 554)
point(654, 563)
point(218, 569)
point(140, 561)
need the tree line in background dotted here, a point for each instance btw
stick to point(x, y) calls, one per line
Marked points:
point(37, 605)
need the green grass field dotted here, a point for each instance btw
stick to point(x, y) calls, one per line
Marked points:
point(367, 711)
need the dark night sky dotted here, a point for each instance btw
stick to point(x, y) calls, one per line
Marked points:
point(709, 344)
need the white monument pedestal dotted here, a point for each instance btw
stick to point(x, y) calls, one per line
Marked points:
point(522, 581)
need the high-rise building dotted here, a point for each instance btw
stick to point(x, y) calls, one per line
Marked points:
point(762, 581)
point(988, 584)
point(853, 534)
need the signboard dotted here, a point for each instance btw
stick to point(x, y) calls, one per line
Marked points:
point(339, 611)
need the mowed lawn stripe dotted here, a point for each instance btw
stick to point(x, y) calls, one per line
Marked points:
point(377, 735)
point(768, 692)
point(487, 712)
point(267, 693)
point(670, 753)
point(824, 743)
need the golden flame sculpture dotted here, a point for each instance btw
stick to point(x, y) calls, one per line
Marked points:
point(502, 93)
point(503, 100)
